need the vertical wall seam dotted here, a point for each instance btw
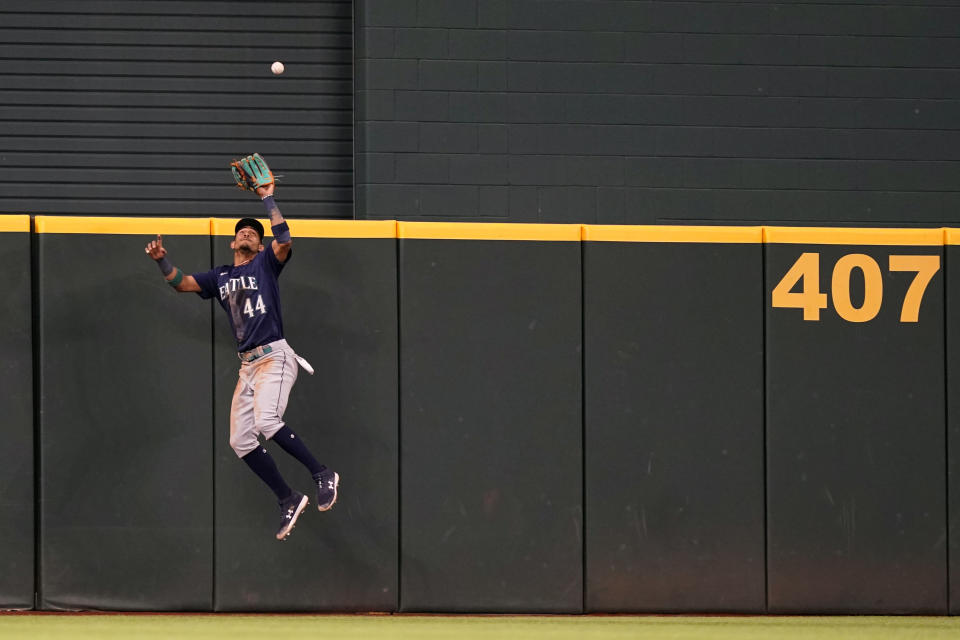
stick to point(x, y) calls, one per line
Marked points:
point(399, 605)
point(946, 415)
point(213, 440)
point(36, 337)
point(766, 453)
point(583, 423)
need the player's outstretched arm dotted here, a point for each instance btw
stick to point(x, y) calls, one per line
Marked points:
point(281, 232)
point(173, 275)
point(253, 174)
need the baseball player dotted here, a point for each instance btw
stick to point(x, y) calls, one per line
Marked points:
point(247, 291)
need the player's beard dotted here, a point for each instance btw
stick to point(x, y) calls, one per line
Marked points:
point(247, 248)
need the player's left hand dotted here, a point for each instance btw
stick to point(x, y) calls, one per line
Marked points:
point(253, 174)
point(263, 192)
point(155, 248)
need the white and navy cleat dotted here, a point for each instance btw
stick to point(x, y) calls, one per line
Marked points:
point(290, 510)
point(327, 483)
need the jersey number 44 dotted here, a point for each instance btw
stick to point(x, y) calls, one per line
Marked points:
point(249, 309)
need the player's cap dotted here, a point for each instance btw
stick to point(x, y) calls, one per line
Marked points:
point(253, 223)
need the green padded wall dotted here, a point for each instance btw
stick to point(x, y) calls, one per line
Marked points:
point(491, 472)
point(674, 422)
point(856, 450)
point(126, 506)
point(340, 313)
point(16, 428)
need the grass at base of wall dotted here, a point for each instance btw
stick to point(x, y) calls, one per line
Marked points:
point(415, 627)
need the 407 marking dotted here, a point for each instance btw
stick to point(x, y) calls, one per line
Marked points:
point(806, 271)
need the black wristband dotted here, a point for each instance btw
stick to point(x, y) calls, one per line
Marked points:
point(269, 203)
point(281, 232)
point(165, 266)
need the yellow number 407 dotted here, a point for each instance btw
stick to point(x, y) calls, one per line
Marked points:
point(807, 270)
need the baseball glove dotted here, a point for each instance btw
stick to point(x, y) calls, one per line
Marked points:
point(251, 173)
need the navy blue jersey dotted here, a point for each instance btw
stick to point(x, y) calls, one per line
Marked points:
point(250, 296)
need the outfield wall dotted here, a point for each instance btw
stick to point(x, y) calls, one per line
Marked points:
point(16, 390)
point(527, 418)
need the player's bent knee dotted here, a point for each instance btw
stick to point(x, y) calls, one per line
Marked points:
point(242, 445)
point(268, 428)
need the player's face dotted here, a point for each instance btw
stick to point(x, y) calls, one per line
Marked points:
point(247, 240)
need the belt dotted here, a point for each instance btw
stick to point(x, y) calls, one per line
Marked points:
point(253, 354)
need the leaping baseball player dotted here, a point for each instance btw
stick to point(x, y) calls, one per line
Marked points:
point(248, 292)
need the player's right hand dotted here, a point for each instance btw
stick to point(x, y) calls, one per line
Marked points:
point(155, 248)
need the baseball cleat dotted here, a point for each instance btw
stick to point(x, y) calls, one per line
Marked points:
point(290, 510)
point(327, 483)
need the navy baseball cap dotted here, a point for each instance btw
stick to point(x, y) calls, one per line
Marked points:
point(253, 223)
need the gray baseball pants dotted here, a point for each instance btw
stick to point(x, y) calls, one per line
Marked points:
point(261, 396)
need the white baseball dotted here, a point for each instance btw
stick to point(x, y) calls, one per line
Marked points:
point(277, 68)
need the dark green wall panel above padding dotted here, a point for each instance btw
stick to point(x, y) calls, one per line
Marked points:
point(126, 520)
point(16, 428)
point(340, 313)
point(664, 112)
point(490, 467)
point(856, 445)
point(673, 421)
point(105, 106)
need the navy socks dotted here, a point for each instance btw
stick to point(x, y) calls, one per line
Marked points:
point(263, 465)
point(292, 444)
